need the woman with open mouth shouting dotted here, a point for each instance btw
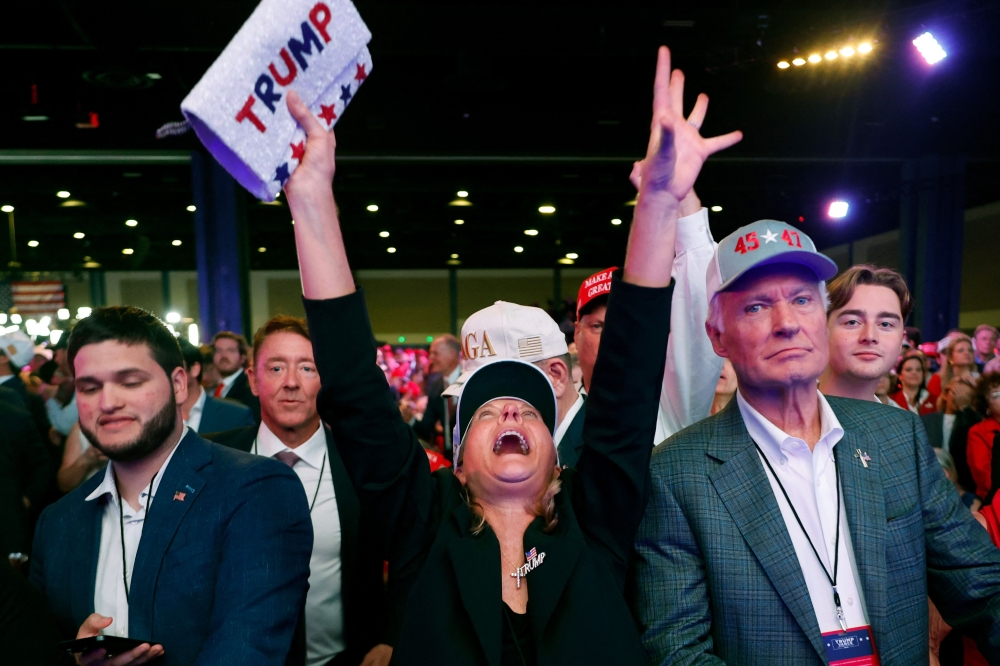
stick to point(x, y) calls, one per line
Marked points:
point(508, 559)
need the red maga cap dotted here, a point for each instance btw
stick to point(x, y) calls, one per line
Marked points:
point(598, 284)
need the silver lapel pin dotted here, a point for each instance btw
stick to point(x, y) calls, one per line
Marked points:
point(864, 457)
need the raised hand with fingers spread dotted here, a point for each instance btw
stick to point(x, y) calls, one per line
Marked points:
point(666, 176)
point(676, 150)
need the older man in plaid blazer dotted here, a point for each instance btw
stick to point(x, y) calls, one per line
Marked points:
point(792, 528)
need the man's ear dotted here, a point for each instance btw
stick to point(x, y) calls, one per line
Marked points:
point(716, 337)
point(179, 382)
point(252, 378)
point(558, 374)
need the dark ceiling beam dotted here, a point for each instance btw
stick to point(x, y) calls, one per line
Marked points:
point(97, 157)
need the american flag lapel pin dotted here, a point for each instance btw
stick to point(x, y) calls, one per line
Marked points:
point(863, 457)
point(179, 496)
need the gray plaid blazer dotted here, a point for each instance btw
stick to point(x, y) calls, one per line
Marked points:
point(716, 578)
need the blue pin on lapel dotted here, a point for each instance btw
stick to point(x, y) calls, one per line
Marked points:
point(865, 459)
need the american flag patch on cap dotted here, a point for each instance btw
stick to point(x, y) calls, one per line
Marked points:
point(529, 346)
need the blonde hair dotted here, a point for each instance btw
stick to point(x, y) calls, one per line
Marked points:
point(946, 368)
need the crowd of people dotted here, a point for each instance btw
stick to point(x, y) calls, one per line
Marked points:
point(735, 456)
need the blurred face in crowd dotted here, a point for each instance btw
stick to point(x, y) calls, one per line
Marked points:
point(986, 342)
point(507, 453)
point(866, 335)
point(285, 379)
point(773, 328)
point(587, 335)
point(957, 396)
point(912, 373)
point(443, 358)
point(727, 379)
point(961, 354)
point(993, 401)
point(128, 405)
point(210, 375)
point(228, 358)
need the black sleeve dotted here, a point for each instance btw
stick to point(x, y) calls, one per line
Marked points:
point(33, 460)
point(383, 458)
point(27, 630)
point(612, 487)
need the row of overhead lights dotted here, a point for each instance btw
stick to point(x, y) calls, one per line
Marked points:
point(64, 194)
point(847, 51)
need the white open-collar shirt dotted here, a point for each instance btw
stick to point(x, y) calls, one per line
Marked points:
point(809, 478)
point(324, 602)
point(109, 586)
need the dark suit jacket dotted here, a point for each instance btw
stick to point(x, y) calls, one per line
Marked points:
point(434, 412)
point(577, 610)
point(240, 392)
point(361, 570)
point(571, 445)
point(224, 414)
point(717, 578)
point(959, 442)
point(25, 471)
point(222, 568)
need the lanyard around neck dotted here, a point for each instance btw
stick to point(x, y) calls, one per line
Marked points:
point(121, 522)
point(836, 546)
point(322, 466)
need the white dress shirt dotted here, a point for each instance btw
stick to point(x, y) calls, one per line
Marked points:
point(194, 416)
point(947, 426)
point(227, 382)
point(324, 604)
point(809, 479)
point(4, 379)
point(109, 589)
point(567, 420)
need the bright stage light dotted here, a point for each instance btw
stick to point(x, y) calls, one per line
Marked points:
point(847, 51)
point(531, 232)
point(929, 48)
point(547, 210)
point(383, 234)
point(616, 221)
point(173, 317)
point(864, 47)
point(815, 58)
point(783, 64)
point(372, 208)
point(831, 55)
point(798, 62)
point(838, 209)
point(518, 249)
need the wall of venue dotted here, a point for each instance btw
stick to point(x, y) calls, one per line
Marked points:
point(416, 304)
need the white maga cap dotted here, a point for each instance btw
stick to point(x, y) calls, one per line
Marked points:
point(507, 331)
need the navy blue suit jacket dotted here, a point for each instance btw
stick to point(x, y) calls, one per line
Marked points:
point(222, 568)
point(221, 415)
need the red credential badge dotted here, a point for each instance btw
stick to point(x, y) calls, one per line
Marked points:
point(854, 647)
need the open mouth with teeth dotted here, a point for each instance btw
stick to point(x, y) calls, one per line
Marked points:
point(511, 441)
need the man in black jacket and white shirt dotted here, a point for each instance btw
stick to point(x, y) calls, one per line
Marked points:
point(345, 614)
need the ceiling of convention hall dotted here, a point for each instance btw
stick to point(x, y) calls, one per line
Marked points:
point(521, 105)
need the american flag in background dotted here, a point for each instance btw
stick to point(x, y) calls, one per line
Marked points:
point(33, 298)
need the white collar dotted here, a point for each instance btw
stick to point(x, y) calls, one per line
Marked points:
point(453, 376)
point(6, 378)
point(310, 451)
point(775, 442)
point(228, 381)
point(108, 486)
